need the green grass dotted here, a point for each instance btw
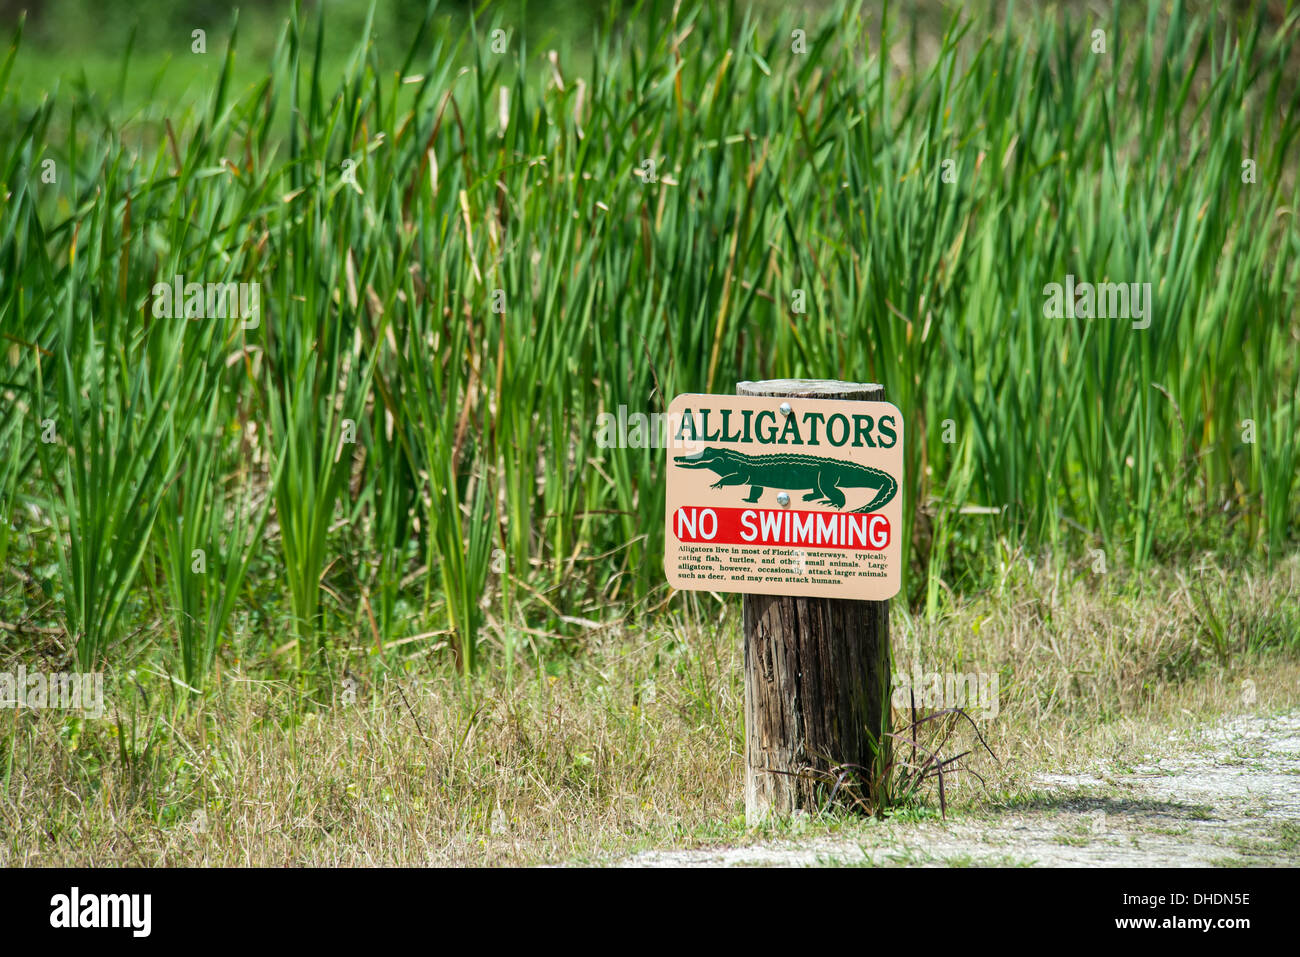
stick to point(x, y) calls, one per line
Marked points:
point(636, 744)
point(501, 271)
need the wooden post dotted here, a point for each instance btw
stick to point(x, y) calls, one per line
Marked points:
point(816, 672)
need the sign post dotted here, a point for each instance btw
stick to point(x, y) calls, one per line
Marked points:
point(790, 493)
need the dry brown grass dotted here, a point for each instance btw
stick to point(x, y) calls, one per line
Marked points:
point(637, 745)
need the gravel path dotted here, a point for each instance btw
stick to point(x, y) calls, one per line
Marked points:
point(1230, 795)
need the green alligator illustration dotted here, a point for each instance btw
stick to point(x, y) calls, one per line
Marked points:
point(825, 477)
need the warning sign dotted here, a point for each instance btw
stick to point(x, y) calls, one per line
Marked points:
point(784, 496)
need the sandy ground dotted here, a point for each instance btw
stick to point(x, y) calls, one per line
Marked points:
point(1228, 795)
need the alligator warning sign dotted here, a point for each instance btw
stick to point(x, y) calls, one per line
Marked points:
point(784, 496)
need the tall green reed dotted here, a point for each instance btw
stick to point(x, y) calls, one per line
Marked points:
point(467, 259)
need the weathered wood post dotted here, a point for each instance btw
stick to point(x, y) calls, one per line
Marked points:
point(816, 671)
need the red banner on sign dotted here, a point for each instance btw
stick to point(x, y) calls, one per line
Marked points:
point(781, 526)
